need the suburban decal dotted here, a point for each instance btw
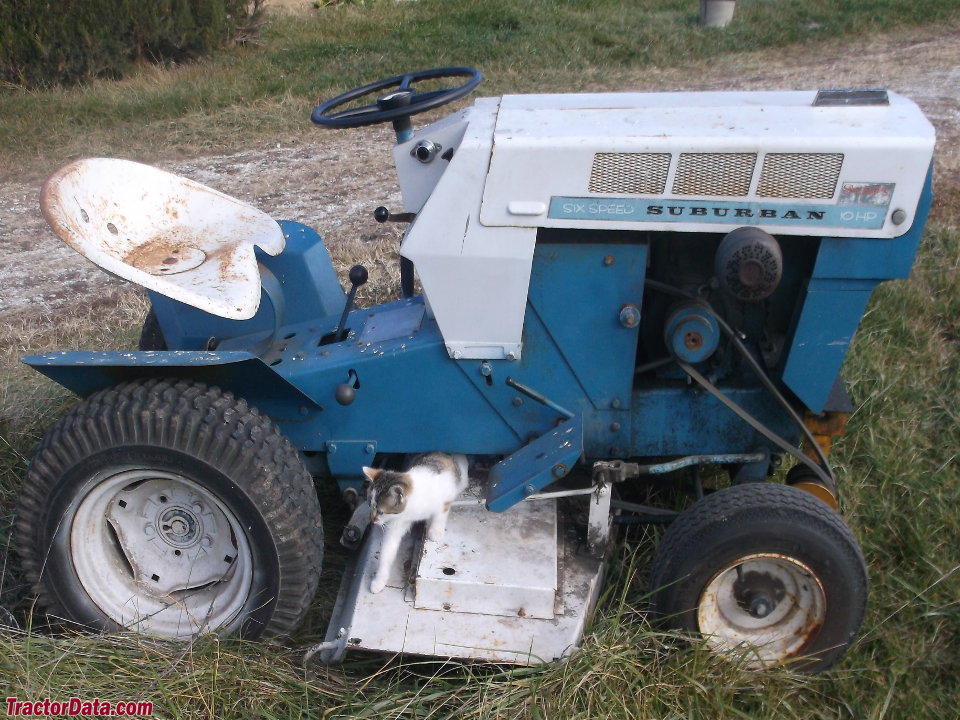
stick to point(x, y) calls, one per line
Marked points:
point(866, 215)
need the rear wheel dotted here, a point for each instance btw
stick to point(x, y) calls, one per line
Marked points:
point(173, 509)
point(762, 568)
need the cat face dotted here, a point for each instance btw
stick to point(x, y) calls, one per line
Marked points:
point(387, 492)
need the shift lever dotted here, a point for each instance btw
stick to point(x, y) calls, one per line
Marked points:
point(358, 276)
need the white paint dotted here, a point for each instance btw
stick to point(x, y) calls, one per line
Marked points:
point(162, 231)
point(473, 239)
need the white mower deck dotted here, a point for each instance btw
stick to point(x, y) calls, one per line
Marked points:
point(515, 587)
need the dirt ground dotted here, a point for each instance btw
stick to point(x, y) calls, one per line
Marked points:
point(333, 180)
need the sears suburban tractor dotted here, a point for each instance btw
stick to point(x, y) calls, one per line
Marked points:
point(619, 292)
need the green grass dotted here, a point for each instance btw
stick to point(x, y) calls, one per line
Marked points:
point(241, 95)
point(898, 464)
point(900, 484)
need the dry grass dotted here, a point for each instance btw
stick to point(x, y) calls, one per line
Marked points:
point(898, 464)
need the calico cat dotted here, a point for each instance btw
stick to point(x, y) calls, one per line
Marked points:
point(398, 499)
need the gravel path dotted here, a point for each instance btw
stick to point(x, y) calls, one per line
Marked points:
point(333, 179)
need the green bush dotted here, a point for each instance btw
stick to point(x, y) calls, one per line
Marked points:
point(45, 43)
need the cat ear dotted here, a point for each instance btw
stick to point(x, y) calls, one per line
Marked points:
point(371, 473)
point(396, 492)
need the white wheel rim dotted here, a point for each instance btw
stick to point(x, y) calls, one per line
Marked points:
point(772, 604)
point(159, 554)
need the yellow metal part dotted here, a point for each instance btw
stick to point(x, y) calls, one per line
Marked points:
point(824, 427)
point(818, 490)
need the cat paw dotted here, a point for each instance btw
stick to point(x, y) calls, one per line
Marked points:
point(377, 584)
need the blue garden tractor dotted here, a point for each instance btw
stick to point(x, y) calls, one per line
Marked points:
point(617, 290)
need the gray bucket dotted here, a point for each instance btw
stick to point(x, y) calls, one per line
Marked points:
point(716, 13)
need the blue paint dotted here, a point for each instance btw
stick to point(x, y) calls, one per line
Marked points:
point(727, 212)
point(536, 465)
point(846, 272)
point(875, 259)
point(303, 271)
point(346, 458)
point(828, 320)
point(582, 287)
point(678, 419)
point(577, 353)
point(247, 376)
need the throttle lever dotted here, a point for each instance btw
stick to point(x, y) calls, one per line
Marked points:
point(382, 215)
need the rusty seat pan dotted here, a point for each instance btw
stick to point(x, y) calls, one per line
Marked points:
point(162, 231)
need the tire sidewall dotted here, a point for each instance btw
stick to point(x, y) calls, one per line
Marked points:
point(60, 578)
point(827, 553)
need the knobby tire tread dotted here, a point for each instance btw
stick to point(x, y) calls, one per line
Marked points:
point(215, 428)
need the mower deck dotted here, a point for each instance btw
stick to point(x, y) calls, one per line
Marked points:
point(514, 587)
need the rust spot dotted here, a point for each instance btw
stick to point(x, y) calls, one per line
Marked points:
point(809, 635)
point(693, 340)
point(824, 427)
point(164, 253)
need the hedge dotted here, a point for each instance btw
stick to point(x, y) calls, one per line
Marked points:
point(45, 43)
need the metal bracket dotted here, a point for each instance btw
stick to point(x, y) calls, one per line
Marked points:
point(614, 471)
point(598, 519)
point(359, 521)
point(346, 457)
point(338, 644)
point(550, 457)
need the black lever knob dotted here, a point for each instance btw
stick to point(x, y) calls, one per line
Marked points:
point(382, 215)
point(358, 275)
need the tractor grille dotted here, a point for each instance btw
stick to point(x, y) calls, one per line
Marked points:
point(629, 173)
point(799, 175)
point(714, 173)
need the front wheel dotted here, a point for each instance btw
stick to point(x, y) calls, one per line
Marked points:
point(170, 508)
point(762, 568)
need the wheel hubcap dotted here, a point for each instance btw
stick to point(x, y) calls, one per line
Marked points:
point(158, 553)
point(771, 603)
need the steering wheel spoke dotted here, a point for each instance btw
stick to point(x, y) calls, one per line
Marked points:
point(354, 112)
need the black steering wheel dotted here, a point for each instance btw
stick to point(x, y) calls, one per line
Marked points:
point(397, 105)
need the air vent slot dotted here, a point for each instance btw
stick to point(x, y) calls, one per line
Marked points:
point(799, 175)
point(629, 173)
point(724, 174)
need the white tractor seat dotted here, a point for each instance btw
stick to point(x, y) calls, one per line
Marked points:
point(162, 231)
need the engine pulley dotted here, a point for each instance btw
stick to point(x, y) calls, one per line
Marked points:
point(691, 333)
point(749, 264)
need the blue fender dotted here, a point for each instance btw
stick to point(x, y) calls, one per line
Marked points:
point(240, 372)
